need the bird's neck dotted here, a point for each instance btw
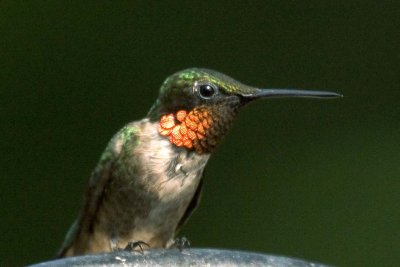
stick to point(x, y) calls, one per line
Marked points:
point(200, 129)
point(166, 168)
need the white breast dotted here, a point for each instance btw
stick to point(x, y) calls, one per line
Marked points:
point(172, 172)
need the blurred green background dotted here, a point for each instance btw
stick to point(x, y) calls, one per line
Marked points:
point(314, 179)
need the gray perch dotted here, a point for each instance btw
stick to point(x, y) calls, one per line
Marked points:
point(187, 257)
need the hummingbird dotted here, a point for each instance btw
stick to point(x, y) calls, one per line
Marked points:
point(149, 179)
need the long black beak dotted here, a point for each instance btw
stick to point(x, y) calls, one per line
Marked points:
point(261, 93)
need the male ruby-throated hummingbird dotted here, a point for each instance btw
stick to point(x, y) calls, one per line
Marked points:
point(149, 178)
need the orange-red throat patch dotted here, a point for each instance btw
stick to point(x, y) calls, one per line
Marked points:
point(186, 129)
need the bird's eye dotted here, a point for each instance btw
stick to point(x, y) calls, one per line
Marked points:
point(207, 90)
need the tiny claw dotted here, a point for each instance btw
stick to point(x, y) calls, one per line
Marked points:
point(181, 243)
point(132, 246)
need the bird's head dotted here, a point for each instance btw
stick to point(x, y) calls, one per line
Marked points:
point(196, 107)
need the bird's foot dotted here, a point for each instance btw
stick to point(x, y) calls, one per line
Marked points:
point(136, 246)
point(181, 243)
